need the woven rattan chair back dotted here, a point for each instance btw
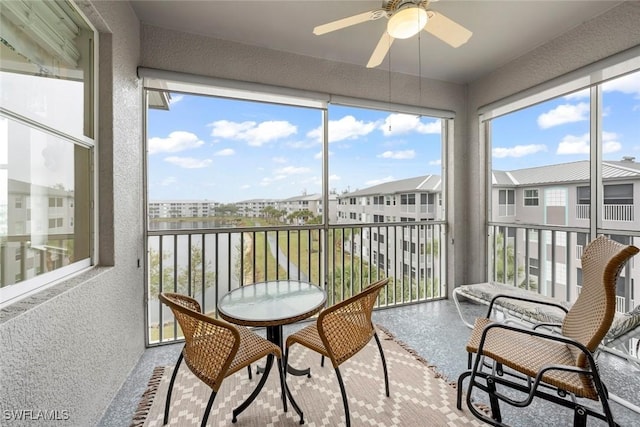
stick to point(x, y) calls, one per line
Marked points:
point(591, 315)
point(210, 344)
point(345, 328)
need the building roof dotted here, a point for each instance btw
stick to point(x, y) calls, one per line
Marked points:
point(564, 172)
point(308, 197)
point(426, 183)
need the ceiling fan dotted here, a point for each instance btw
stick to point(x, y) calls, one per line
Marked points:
point(406, 19)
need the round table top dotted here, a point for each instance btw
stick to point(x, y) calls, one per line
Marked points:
point(276, 302)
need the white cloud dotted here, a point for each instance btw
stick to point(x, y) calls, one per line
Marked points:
point(303, 144)
point(245, 186)
point(334, 177)
point(518, 150)
point(170, 180)
point(398, 155)
point(629, 84)
point(380, 181)
point(291, 170)
point(565, 113)
point(345, 128)
point(435, 162)
point(397, 124)
point(188, 162)
point(225, 152)
point(175, 142)
point(279, 160)
point(572, 144)
point(255, 134)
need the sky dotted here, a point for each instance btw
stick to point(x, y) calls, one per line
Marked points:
point(207, 148)
point(557, 131)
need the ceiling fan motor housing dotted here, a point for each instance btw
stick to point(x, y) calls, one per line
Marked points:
point(392, 6)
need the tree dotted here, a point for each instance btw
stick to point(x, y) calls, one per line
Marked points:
point(154, 272)
point(195, 272)
point(229, 209)
point(505, 275)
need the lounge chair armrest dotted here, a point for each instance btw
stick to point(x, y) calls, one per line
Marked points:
point(553, 337)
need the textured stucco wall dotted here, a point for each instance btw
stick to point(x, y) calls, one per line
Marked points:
point(614, 31)
point(71, 347)
point(171, 50)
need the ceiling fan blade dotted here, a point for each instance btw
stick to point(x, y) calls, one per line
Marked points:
point(381, 50)
point(447, 30)
point(348, 21)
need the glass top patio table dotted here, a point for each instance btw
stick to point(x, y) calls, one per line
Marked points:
point(272, 303)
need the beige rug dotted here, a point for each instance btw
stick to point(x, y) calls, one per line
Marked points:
point(419, 395)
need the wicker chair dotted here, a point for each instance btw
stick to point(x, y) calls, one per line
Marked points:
point(341, 331)
point(555, 366)
point(215, 349)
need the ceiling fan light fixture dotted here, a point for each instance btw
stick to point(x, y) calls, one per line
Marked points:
point(407, 22)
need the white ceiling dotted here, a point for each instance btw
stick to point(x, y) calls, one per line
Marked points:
point(502, 30)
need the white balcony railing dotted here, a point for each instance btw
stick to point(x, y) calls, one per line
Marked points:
point(206, 259)
point(582, 211)
point(623, 213)
point(618, 213)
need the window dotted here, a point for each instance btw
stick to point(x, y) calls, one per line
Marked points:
point(407, 199)
point(506, 203)
point(531, 197)
point(619, 194)
point(614, 194)
point(42, 89)
point(583, 195)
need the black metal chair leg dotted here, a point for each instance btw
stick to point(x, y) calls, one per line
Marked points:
point(173, 380)
point(244, 405)
point(459, 391)
point(579, 417)
point(493, 400)
point(384, 364)
point(344, 398)
point(205, 417)
point(249, 370)
point(281, 374)
point(322, 361)
point(286, 388)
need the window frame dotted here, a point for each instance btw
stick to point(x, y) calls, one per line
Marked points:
point(15, 292)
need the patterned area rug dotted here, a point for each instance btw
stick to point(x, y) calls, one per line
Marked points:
point(419, 395)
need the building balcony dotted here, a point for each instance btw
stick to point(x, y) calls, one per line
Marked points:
point(620, 213)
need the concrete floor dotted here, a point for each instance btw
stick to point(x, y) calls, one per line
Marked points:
point(436, 332)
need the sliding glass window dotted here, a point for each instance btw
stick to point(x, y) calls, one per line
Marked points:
point(247, 183)
point(570, 164)
point(46, 144)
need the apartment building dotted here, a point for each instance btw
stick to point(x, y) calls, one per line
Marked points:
point(43, 217)
point(309, 202)
point(254, 208)
point(415, 199)
point(559, 196)
point(526, 204)
point(182, 209)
